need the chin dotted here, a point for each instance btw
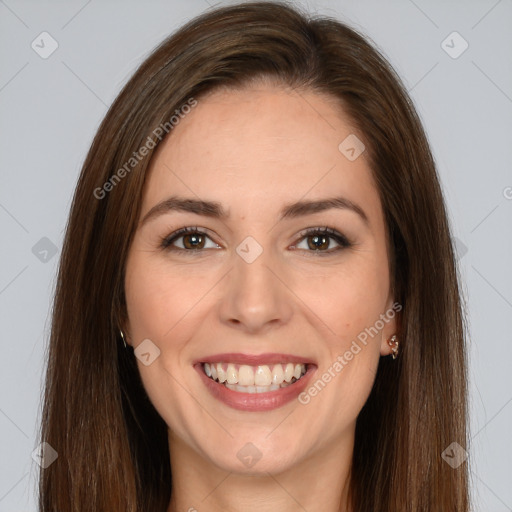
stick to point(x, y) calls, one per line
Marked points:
point(258, 457)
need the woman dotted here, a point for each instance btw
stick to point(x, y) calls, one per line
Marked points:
point(257, 303)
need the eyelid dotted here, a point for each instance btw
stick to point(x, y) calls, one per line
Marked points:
point(166, 242)
point(342, 241)
point(324, 230)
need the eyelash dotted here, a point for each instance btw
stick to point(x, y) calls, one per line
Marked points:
point(341, 240)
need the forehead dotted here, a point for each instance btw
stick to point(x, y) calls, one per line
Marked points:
point(260, 147)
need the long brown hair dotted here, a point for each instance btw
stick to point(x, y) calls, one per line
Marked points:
point(112, 444)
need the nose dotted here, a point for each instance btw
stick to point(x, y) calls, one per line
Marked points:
point(256, 297)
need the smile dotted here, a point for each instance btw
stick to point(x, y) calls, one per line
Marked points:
point(254, 379)
point(255, 383)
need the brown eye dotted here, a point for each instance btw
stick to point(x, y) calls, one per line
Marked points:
point(193, 241)
point(188, 240)
point(322, 241)
point(316, 242)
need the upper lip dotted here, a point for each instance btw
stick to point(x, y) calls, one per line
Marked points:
point(254, 359)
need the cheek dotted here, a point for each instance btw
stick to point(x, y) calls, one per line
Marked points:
point(348, 299)
point(334, 399)
point(160, 307)
point(159, 299)
point(349, 302)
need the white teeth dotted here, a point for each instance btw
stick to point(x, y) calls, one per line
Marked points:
point(221, 374)
point(263, 376)
point(254, 389)
point(254, 379)
point(238, 387)
point(246, 376)
point(288, 373)
point(277, 374)
point(231, 374)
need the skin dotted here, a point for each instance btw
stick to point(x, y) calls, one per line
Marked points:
point(254, 151)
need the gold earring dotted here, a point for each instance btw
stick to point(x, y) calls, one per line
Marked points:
point(393, 343)
point(122, 336)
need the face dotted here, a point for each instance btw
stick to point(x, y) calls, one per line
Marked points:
point(288, 304)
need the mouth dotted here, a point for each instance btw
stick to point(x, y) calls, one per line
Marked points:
point(254, 379)
point(255, 383)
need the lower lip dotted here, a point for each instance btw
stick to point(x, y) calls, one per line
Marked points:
point(256, 402)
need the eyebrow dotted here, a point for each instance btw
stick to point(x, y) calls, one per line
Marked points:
point(214, 209)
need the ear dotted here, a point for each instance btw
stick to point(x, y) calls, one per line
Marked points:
point(390, 318)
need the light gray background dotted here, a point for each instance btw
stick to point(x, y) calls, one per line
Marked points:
point(50, 109)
